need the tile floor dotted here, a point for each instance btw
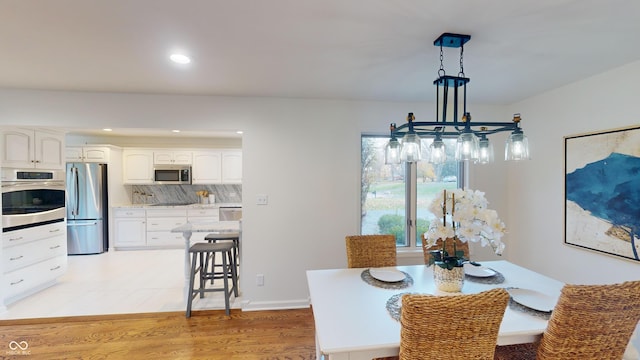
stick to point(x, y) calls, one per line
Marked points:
point(116, 282)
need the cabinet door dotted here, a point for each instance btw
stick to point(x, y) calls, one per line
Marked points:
point(207, 167)
point(130, 232)
point(162, 157)
point(49, 150)
point(183, 157)
point(231, 167)
point(95, 154)
point(73, 154)
point(18, 148)
point(138, 166)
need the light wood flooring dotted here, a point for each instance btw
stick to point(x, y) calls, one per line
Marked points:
point(209, 334)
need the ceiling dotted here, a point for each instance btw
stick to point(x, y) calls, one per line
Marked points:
point(377, 50)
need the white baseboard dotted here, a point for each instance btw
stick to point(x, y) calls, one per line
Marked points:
point(274, 305)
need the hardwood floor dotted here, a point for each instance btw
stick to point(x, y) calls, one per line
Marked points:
point(208, 334)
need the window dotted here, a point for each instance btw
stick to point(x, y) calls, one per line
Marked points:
point(394, 199)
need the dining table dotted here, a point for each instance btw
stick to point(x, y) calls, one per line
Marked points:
point(205, 226)
point(356, 314)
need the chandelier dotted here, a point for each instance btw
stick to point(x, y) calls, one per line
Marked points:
point(453, 120)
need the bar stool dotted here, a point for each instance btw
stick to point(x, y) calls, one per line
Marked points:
point(199, 264)
point(233, 237)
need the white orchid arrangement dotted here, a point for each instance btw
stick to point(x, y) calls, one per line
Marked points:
point(465, 216)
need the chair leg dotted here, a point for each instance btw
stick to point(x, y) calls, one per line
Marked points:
point(226, 285)
point(234, 274)
point(191, 284)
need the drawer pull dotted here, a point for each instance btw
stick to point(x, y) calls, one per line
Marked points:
point(54, 230)
point(54, 247)
point(16, 239)
point(16, 258)
point(55, 268)
point(17, 282)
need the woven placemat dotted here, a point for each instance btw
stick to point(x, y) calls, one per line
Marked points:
point(408, 281)
point(393, 305)
point(498, 278)
point(519, 307)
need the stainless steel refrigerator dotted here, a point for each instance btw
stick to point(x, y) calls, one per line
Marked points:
point(87, 223)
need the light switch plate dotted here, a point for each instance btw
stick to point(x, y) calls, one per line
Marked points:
point(262, 200)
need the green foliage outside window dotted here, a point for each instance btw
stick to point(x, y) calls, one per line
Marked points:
point(394, 224)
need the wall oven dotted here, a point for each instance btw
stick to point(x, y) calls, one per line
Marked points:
point(172, 174)
point(32, 198)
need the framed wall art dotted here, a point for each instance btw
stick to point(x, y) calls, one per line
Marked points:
point(602, 191)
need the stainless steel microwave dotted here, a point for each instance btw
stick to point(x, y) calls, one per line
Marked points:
point(172, 174)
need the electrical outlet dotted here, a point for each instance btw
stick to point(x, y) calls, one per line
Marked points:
point(260, 280)
point(262, 200)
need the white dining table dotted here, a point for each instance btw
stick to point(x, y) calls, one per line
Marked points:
point(187, 230)
point(352, 321)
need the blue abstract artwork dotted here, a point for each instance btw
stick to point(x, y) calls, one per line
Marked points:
point(602, 197)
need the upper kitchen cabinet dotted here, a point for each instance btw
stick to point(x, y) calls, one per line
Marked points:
point(217, 167)
point(137, 166)
point(29, 148)
point(232, 167)
point(207, 167)
point(166, 157)
point(99, 154)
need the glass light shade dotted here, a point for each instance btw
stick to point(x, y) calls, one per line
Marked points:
point(410, 150)
point(392, 152)
point(485, 151)
point(467, 147)
point(437, 154)
point(517, 147)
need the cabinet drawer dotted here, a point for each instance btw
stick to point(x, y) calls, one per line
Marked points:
point(19, 237)
point(128, 213)
point(16, 257)
point(210, 214)
point(164, 238)
point(25, 279)
point(166, 213)
point(164, 223)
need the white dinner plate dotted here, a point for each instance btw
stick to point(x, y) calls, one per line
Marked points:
point(478, 271)
point(387, 275)
point(532, 299)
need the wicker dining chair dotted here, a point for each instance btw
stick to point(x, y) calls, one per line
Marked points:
point(457, 327)
point(460, 246)
point(371, 251)
point(589, 322)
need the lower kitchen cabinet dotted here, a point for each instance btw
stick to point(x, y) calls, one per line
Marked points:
point(159, 225)
point(130, 228)
point(32, 259)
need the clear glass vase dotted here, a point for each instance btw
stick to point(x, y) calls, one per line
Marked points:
point(448, 280)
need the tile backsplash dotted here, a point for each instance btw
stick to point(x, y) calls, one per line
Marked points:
point(186, 194)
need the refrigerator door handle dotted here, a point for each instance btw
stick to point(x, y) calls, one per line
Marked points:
point(83, 224)
point(76, 185)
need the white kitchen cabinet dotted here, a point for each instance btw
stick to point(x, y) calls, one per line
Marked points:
point(207, 167)
point(99, 154)
point(29, 148)
point(159, 225)
point(32, 259)
point(168, 157)
point(130, 228)
point(232, 167)
point(137, 166)
point(217, 167)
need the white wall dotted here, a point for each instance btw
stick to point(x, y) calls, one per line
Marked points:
point(536, 188)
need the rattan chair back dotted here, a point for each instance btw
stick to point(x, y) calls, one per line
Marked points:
point(592, 322)
point(460, 246)
point(589, 322)
point(371, 251)
point(458, 327)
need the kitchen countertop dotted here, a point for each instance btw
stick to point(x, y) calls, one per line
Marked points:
point(190, 206)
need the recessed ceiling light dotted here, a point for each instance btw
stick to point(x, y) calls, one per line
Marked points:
point(107, 129)
point(180, 58)
point(175, 131)
point(239, 132)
